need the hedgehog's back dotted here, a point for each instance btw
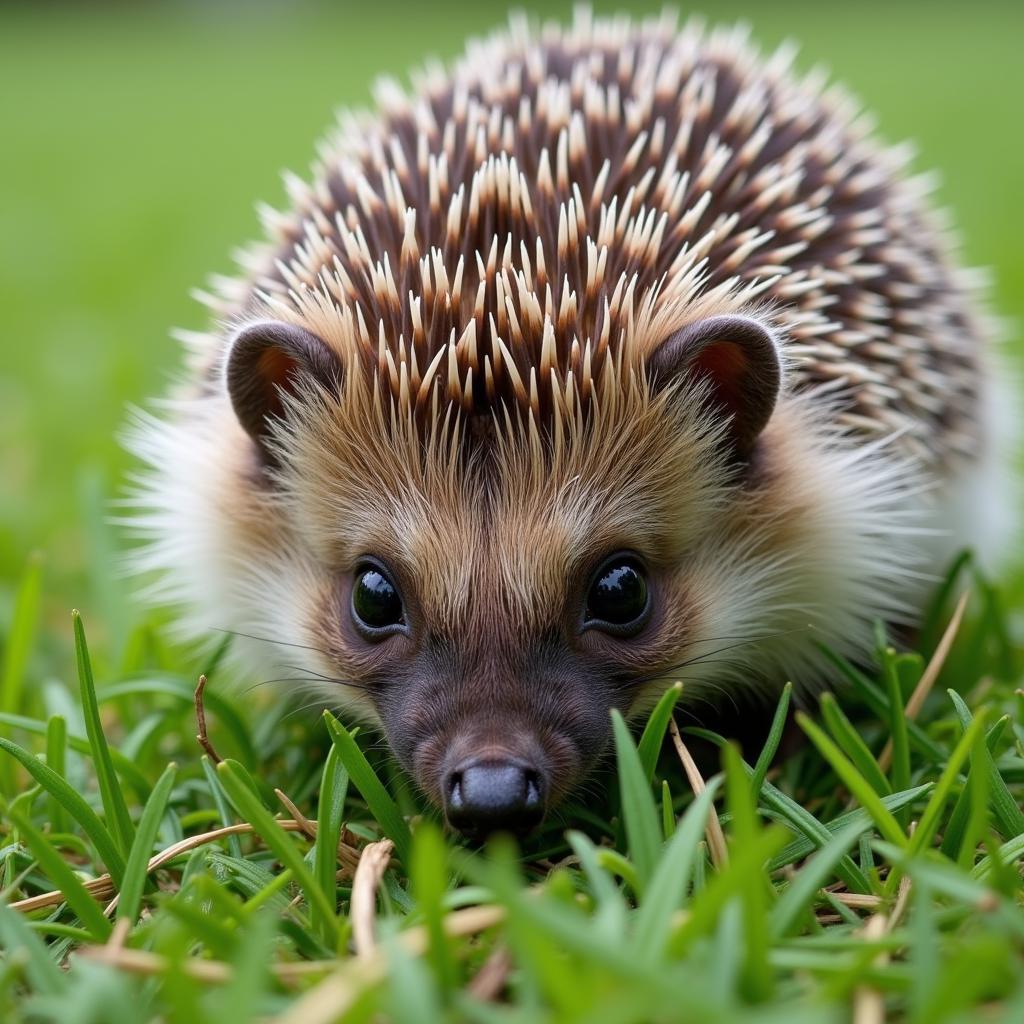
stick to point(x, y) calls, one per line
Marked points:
point(552, 207)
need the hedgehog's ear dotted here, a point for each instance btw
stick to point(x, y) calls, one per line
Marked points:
point(268, 360)
point(740, 359)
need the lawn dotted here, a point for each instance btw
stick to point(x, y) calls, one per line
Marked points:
point(873, 875)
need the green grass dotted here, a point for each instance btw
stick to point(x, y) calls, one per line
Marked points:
point(855, 872)
point(848, 879)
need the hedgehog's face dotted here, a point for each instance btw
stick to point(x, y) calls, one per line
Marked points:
point(489, 598)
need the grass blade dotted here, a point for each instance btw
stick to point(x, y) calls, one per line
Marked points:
point(56, 748)
point(854, 782)
point(89, 912)
point(1008, 816)
point(614, 863)
point(668, 815)
point(240, 999)
point(874, 696)
point(977, 810)
point(114, 807)
point(637, 804)
point(756, 981)
point(45, 977)
point(18, 649)
point(928, 824)
point(653, 736)
point(252, 810)
point(21, 635)
point(973, 801)
point(800, 848)
point(798, 896)
point(815, 834)
point(706, 908)
point(221, 803)
point(672, 877)
point(849, 741)
point(333, 790)
point(1009, 853)
point(364, 778)
point(75, 805)
point(771, 744)
point(611, 905)
point(429, 875)
point(900, 771)
point(135, 872)
point(412, 994)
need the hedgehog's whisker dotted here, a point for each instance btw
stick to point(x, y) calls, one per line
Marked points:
point(726, 694)
point(707, 655)
point(320, 677)
point(300, 708)
point(304, 679)
point(246, 690)
point(268, 640)
point(313, 679)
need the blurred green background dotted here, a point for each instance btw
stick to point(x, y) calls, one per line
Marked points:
point(136, 139)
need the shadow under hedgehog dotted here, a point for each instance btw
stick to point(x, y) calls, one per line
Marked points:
point(615, 355)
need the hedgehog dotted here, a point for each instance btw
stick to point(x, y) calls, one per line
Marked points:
point(613, 355)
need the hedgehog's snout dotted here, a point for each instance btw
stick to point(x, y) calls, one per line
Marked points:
point(504, 794)
point(496, 752)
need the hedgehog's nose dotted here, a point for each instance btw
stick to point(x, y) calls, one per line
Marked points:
point(493, 796)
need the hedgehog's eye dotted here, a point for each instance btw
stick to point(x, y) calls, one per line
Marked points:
point(376, 603)
point(618, 601)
